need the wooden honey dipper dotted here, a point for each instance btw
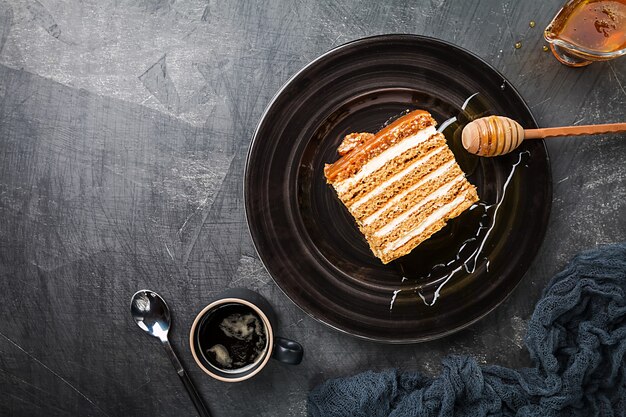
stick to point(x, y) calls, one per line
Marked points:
point(497, 135)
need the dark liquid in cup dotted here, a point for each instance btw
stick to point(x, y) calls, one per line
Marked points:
point(232, 337)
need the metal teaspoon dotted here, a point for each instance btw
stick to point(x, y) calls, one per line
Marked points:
point(152, 314)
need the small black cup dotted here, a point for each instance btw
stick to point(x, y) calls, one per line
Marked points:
point(284, 350)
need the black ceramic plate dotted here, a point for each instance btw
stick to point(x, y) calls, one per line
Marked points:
point(310, 244)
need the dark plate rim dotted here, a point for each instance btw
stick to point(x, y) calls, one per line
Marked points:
point(391, 37)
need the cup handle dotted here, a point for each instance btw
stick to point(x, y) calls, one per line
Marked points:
point(287, 351)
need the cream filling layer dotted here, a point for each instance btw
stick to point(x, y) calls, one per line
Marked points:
point(395, 200)
point(436, 215)
point(441, 191)
point(379, 189)
point(379, 161)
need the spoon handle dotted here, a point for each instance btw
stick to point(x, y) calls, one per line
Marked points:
point(191, 389)
point(574, 130)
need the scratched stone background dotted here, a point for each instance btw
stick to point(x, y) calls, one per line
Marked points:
point(123, 132)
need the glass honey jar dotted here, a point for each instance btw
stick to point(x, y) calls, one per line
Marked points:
point(584, 31)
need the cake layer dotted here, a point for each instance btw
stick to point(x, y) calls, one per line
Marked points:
point(387, 188)
point(353, 161)
point(419, 199)
point(410, 166)
point(419, 189)
point(415, 185)
point(414, 237)
point(416, 215)
point(385, 157)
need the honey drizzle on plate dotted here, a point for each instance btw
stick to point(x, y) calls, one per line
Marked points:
point(472, 259)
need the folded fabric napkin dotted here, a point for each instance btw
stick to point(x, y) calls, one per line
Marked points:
point(576, 339)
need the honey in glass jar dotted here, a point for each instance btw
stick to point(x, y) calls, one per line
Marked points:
point(584, 31)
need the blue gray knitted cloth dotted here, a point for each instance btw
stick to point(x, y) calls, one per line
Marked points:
point(577, 342)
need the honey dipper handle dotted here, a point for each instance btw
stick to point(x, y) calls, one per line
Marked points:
point(574, 130)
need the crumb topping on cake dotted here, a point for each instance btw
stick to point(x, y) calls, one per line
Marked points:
point(353, 140)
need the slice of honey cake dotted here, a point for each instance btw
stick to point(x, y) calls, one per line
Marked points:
point(401, 185)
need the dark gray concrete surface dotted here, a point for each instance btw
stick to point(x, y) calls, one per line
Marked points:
point(123, 132)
